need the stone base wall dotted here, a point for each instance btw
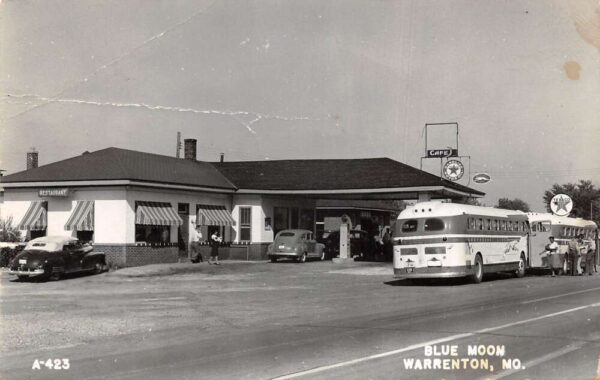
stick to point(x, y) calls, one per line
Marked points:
point(133, 255)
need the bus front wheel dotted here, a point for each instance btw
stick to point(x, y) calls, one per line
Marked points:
point(477, 275)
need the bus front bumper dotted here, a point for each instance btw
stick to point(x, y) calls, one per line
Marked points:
point(433, 272)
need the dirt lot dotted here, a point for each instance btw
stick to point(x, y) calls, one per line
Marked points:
point(235, 295)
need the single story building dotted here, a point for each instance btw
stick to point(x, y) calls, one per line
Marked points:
point(139, 207)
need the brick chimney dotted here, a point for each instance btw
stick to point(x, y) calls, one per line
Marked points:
point(189, 149)
point(222, 157)
point(32, 159)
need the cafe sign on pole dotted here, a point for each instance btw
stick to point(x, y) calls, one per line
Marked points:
point(432, 153)
point(60, 193)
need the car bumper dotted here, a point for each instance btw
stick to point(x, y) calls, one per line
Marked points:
point(285, 254)
point(433, 272)
point(30, 273)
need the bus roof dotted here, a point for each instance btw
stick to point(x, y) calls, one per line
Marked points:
point(439, 209)
point(563, 220)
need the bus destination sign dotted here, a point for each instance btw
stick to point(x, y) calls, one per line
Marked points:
point(442, 152)
point(64, 192)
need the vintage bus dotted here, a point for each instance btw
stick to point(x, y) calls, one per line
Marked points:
point(543, 225)
point(437, 239)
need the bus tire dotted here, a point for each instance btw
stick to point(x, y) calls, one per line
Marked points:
point(477, 275)
point(520, 272)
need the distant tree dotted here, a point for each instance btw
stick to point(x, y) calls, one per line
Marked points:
point(8, 232)
point(469, 201)
point(513, 204)
point(585, 196)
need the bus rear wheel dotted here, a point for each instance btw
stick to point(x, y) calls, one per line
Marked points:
point(520, 272)
point(477, 275)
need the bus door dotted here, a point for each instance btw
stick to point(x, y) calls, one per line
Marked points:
point(538, 239)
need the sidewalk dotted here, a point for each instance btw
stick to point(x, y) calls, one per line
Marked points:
point(227, 266)
point(242, 266)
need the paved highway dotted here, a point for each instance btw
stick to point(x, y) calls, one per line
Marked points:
point(320, 322)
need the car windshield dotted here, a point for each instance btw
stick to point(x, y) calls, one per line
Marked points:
point(286, 234)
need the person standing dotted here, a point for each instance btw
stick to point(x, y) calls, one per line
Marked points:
point(573, 255)
point(590, 257)
point(195, 246)
point(215, 241)
point(552, 255)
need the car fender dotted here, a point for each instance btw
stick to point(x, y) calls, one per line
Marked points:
point(320, 248)
point(94, 256)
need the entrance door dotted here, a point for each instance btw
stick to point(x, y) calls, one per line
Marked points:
point(183, 232)
point(540, 232)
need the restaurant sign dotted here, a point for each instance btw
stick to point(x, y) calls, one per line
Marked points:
point(64, 192)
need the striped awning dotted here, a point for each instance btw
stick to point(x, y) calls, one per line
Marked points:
point(211, 215)
point(35, 218)
point(156, 214)
point(82, 218)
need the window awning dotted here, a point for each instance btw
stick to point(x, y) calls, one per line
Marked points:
point(156, 214)
point(211, 215)
point(82, 218)
point(35, 218)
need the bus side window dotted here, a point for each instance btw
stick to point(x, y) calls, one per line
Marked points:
point(503, 225)
point(471, 223)
point(495, 224)
point(480, 224)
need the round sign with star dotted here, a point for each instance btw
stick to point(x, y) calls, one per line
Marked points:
point(561, 205)
point(453, 170)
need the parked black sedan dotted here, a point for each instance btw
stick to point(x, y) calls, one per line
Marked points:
point(50, 257)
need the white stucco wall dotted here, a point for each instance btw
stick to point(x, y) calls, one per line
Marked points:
point(109, 211)
point(114, 209)
point(257, 215)
point(262, 207)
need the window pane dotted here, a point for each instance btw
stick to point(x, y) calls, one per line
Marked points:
point(245, 215)
point(434, 225)
point(409, 226)
point(245, 234)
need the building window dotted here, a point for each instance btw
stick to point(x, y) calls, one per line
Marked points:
point(245, 224)
point(152, 234)
point(85, 236)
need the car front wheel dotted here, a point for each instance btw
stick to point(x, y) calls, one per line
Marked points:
point(98, 267)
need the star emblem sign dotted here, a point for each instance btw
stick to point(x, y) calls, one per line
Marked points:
point(453, 170)
point(561, 205)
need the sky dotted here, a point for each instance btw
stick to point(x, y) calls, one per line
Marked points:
point(304, 79)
